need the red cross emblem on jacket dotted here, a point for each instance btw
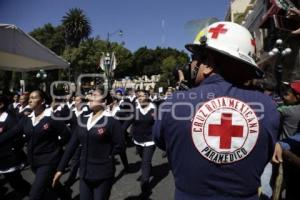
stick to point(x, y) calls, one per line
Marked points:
point(100, 131)
point(226, 131)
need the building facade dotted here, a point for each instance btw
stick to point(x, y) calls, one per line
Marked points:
point(258, 17)
point(142, 83)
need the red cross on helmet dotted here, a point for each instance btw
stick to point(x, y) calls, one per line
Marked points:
point(230, 39)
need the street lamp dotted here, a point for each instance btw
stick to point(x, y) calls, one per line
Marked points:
point(281, 51)
point(119, 32)
point(108, 64)
point(42, 75)
point(108, 61)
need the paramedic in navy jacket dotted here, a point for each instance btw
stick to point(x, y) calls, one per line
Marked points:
point(218, 136)
point(12, 157)
point(43, 148)
point(142, 120)
point(101, 138)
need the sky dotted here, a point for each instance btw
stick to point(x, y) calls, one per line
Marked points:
point(151, 23)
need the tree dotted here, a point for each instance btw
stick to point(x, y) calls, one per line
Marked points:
point(85, 58)
point(77, 27)
point(53, 38)
point(143, 62)
point(50, 36)
point(124, 60)
point(168, 65)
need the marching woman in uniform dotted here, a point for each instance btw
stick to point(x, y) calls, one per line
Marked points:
point(12, 156)
point(117, 111)
point(23, 108)
point(100, 138)
point(142, 121)
point(13, 108)
point(78, 110)
point(43, 149)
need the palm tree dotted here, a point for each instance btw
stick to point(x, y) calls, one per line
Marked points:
point(76, 26)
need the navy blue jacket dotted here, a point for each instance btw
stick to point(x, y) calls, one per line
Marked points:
point(23, 113)
point(43, 145)
point(142, 124)
point(220, 170)
point(11, 153)
point(13, 110)
point(98, 147)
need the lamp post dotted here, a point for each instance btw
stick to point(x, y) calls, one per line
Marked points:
point(281, 51)
point(108, 61)
point(119, 32)
point(41, 75)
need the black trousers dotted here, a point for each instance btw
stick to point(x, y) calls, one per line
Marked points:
point(75, 162)
point(42, 182)
point(124, 159)
point(146, 153)
point(17, 182)
point(95, 190)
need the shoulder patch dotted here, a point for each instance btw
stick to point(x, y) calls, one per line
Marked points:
point(225, 130)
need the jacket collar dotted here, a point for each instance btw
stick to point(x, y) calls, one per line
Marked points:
point(212, 79)
point(145, 110)
point(46, 113)
point(91, 123)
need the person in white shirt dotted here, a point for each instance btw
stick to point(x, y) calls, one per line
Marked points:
point(142, 121)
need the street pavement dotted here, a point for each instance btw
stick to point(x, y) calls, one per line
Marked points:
point(126, 186)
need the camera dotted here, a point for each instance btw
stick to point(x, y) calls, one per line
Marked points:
point(182, 74)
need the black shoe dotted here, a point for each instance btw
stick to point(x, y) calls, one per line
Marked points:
point(126, 169)
point(145, 187)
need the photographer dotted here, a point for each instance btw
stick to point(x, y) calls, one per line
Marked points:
point(180, 74)
point(216, 139)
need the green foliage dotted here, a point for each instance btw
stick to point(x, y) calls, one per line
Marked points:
point(50, 36)
point(149, 62)
point(124, 60)
point(53, 38)
point(174, 59)
point(77, 26)
point(143, 61)
point(85, 58)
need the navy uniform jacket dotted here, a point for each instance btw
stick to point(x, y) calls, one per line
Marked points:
point(43, 146)
point(129, 102)
point(62, 111)
point(205, 163)
point(142, 123)
point(21, 112)
point(73, 121)
point(13, 108)
point(11, 153)
point(98, 147)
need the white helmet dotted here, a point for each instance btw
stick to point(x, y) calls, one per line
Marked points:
point(230, 39)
